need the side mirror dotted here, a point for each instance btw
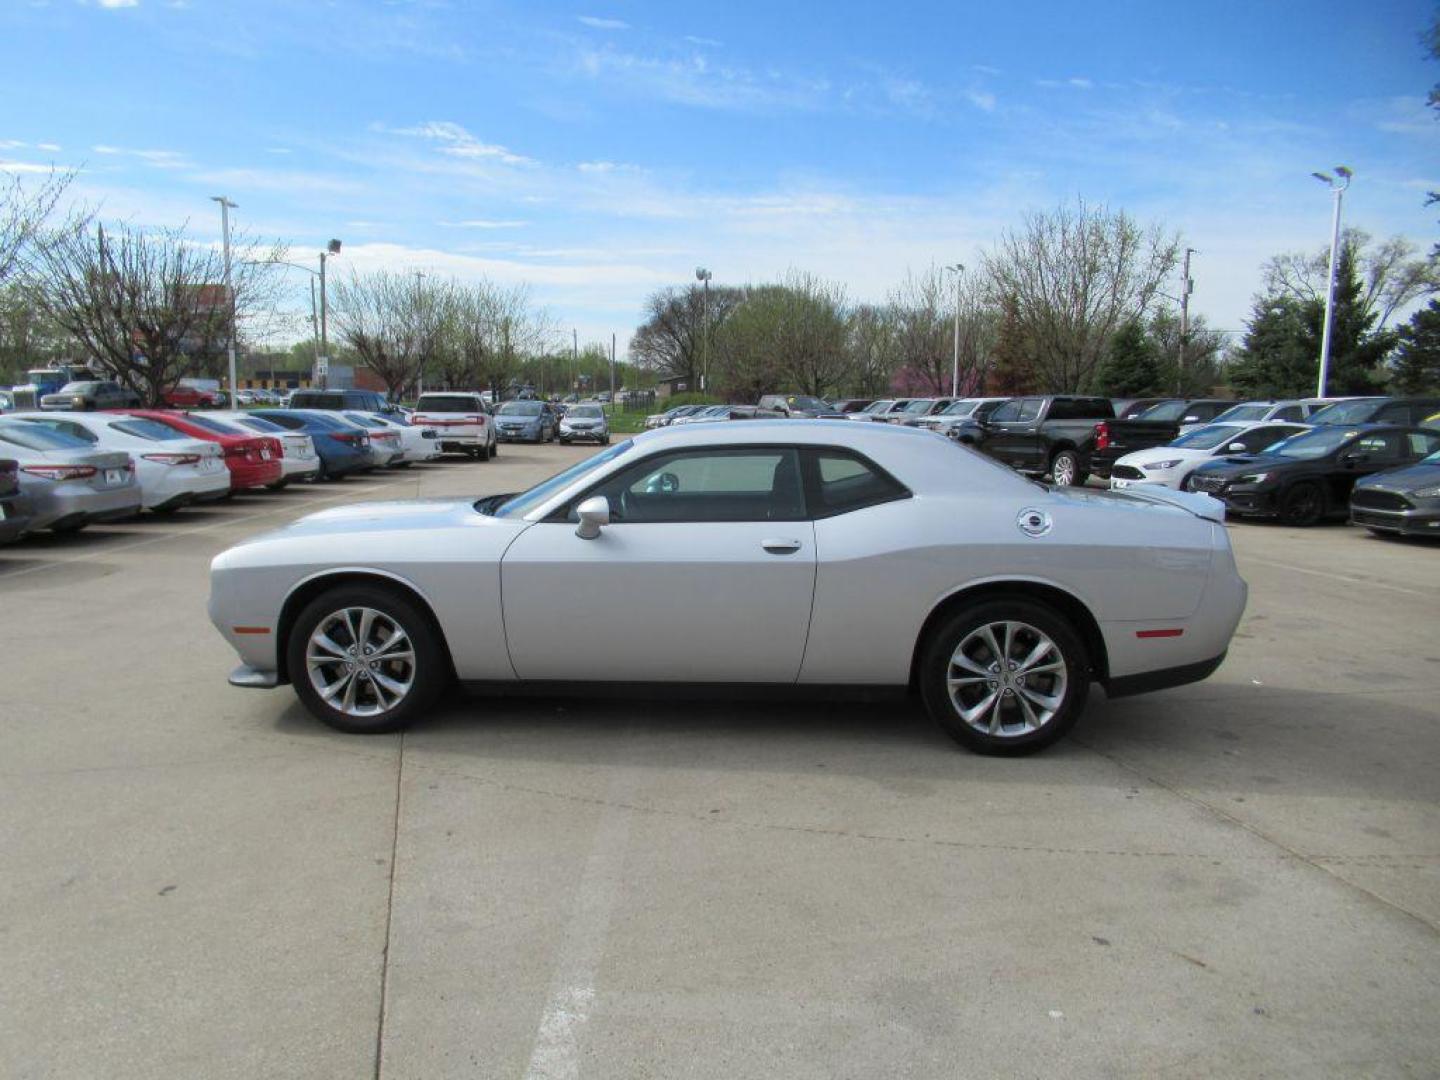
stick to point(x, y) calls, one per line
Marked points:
point(1236, 448)
point(1190, 420)
point(594, 513)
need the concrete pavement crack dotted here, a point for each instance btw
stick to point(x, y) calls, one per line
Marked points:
point(389, 912)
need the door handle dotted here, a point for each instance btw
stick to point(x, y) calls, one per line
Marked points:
point(781, 547)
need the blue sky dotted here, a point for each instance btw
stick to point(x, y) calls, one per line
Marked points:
point(600, 150)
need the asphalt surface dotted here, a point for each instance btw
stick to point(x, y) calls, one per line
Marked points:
point(1236, 878)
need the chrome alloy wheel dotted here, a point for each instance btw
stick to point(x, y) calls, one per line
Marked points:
point(360, 660)
point(1006, 679)
point(1063, 472)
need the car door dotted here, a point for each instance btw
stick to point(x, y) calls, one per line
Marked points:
point(1372, 452)
point(1012, 432)
point(705, 573)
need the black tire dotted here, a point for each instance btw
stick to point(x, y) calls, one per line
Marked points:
point(935, 666)
point(430, 674)
point(1066, 463)
point(495, 449)
point(279, 485)
point(1302, 504)
point(564, 441)
point(1381, 534)
point(605, 441)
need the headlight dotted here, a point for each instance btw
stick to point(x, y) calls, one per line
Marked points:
point(1425, 493)
point(1253, 478)
point(1161, 464)
point(78, 399)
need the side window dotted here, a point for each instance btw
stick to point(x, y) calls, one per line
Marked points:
point(1421, 444)
point(1383, 446)
point(1262, 437)
point(842, 482)
point(750, 484)
point(1063, 409)
point(1396, 413)
point(1289, 412)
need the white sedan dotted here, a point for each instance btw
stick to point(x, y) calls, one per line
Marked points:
point(299, 459)
point(416, 443)
point(171, 468)
point(819, 556)
point(1170, 465)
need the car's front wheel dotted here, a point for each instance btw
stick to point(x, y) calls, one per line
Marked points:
point(365, 659)
point(1065, 469)
point(1008, 676)
point(1303, 504)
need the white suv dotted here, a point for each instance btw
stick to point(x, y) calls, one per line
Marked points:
point(461, 420)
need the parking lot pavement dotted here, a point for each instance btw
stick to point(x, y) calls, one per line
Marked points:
point(1240, 877)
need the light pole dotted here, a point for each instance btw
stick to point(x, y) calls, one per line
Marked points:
point(703, 276)
point(1187, 286)
point(1338, 186)
point(225, 207)
point(958, 269)
point(322, 362)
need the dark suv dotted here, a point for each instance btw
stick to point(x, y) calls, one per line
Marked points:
point(369, 401)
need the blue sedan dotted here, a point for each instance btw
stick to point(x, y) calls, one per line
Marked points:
point(343, 447)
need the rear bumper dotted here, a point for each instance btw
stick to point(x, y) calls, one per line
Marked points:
point(1163, 679)
point(254, 474)
point(56, 505)
point(15, 517)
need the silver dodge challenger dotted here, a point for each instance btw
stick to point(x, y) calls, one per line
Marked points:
point(815, 556)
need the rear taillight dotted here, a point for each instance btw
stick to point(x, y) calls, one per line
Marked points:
point(236, 450)
point(1102, 436)
point(173, 459)
point(479, 420)
point(60, 472)
point(351, 437)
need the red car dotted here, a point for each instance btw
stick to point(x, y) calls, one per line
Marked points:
point(253, 460)
point(189, 397)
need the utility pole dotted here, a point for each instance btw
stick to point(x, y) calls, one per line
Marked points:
point(1338, 187)
point(1186, 287)
point(958, 269)
point(575, 359)
point(225, 207)
point(612, 373)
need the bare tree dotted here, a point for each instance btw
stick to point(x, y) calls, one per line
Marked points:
point(23, 213)
point(788, 336)
point(392, 321)
point(1074, 275)
point(672, 339)
point(1392, 274)
point(147, 306)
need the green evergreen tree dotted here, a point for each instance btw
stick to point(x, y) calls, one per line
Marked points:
point(1417, 361)
point(1012, 369)
point(1132, 365)
point(1276, 358)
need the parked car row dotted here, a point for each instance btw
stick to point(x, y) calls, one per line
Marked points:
point(61, 471)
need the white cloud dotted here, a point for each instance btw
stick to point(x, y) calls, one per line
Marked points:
point(119, 3)
point(11, 144)
point(156, 159)
point(695, 80)
point(1081, 83)
point(604, 167)
point(703, 42)
point(483, 223)
point(282, 180)
point(982, 100)
point(597, 23)
point(48, 147)
point(278, 150)
point(457, 142)
point(23, 167)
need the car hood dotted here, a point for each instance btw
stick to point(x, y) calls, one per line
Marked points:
point(1239, 464)
point(396, 515)
point(1160, 453)
point(1406, 479)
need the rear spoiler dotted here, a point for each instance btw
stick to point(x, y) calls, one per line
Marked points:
point(1202, 506)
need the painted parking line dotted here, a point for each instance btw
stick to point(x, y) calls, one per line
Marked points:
point(1370, 583)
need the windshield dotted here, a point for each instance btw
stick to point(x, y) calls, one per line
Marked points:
point(591, 412)
point(520, 408)
point(35, 437)
point(259, 423)
point(806, 404)
point(1347, 412)
point(78, 387)
point(215, 426)
point(526, 501)
point(961, 408)
point(364, 421)
point(1313, 444)
point(148, 429)
point(919, 406)
point(1166, 410)
point(879, 406)
point(442, 403)
point(1244, 412)
point(1207, 438)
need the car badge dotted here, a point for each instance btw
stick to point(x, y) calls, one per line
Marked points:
point(1033, 521)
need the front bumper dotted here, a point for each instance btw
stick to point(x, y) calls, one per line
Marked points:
point(253, 678)
point(1420, 521)
point(572, 434)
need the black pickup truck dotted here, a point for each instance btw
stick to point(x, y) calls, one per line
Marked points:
point(1158, 425)
point(1050, 435)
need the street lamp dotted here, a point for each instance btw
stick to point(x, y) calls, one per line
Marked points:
point(1337, 184)
point(225, 207)
point(958, 269)
point(322, 362)
point(703, 276)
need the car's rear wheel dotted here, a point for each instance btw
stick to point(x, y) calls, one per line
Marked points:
point(1008, 676)
point(364, 659)
point(1302, 504)
point(1065, 469)
point(279, 485)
